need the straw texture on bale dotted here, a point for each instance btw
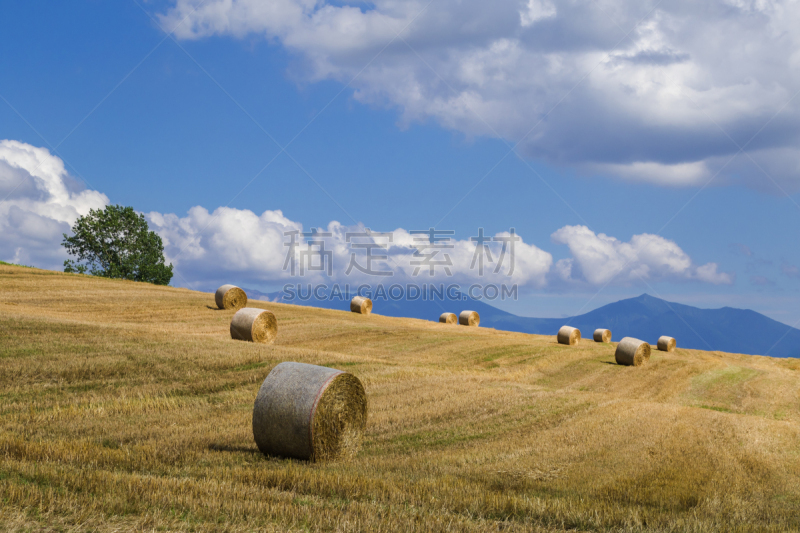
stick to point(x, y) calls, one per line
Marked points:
point(602, 335)
point(254, 325)
point(362, 305)
point(448, 318)
point(568, 335)
point(666, 344)
point(469, 318)
point(230, 297)
point(309, 412)
point(632, 352)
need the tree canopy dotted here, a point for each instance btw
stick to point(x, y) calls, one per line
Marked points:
point(116, 242)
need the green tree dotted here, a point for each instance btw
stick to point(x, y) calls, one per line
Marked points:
point(116, 242)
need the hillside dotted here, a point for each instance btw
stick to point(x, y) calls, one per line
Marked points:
point(126, 406)
point(645, 317)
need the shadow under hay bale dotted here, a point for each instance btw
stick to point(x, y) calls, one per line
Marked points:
point(232, 449)
point(309, 412)
point(230, 297)
point(361, 305)
point(469, 318)
point(568, 335)
point(632, 352)
point(666, 344)
point(602, 335)
point(254, 325)
point(448, 318)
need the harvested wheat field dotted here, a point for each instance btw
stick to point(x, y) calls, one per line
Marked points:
point(127, 406)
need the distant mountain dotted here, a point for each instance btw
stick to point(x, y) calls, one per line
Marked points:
point(644, 317)
point(647, 318)
point(425, 309)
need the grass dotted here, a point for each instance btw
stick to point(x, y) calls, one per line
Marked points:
point(126, 406)
point(3, 263)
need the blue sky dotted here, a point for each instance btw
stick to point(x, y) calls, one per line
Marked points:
point(405, 134)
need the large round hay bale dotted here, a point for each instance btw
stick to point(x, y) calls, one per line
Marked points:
point(448, 318)
point(568, 335)
point(309, 412)
point(666, 344)
point(602, 335)
point(469, 318)
point(230, 297)
point(632, 352)
point(360, 304)
point(254, 325)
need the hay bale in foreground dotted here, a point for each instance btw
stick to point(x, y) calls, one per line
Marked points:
point(448, 318)
point(632, 352)
point(568, 335)
point(469, 318)
point(309, 412)
point(666, 344)
point(362, 305)
point(254, 325)
point(230, 297)
point(602, 335)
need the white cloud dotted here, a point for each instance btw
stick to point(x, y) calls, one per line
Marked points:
point(41, 202)
point(207, 245)
point(536, 10)
point(679, 174)
point(652, 102)
point(231, 243)
point(237, 244)
point(600, 259)
point(708, 273)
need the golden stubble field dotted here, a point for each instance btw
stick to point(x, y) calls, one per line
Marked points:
point(126, 406)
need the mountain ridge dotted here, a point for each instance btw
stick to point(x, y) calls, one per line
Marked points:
point(646, 317)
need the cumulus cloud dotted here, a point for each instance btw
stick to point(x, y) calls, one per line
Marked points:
point(207, 248)
point(600, 259)
point(642, 90)
point(40, 201)
point(232, 243)
point(210, 246)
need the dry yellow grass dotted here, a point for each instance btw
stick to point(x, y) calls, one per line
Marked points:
point(127, 406)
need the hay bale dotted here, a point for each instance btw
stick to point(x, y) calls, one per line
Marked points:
point(254, 325)
point(469, 318)
point(666, 344)
point(568, 335)
point(632, 352)
point(602, 335)
point(362, 305)
point(309, 412)
point(230, 297)
point(448, 318)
